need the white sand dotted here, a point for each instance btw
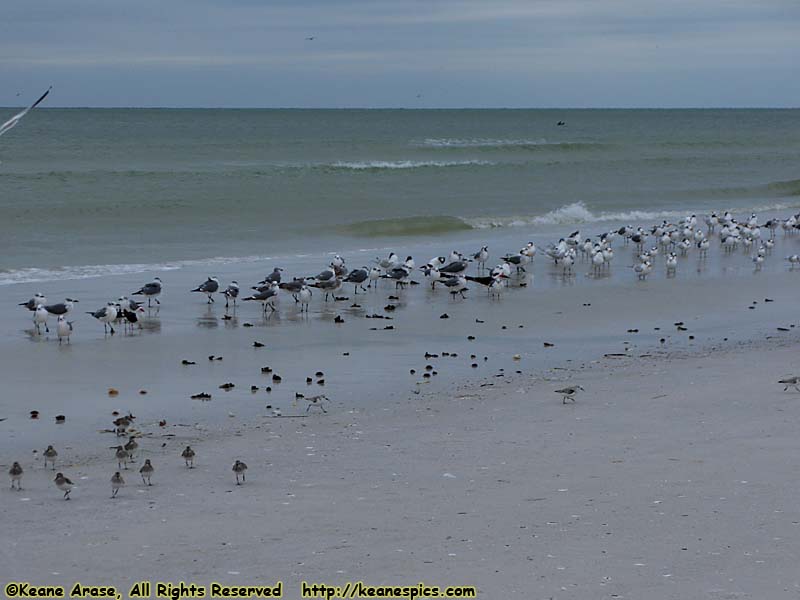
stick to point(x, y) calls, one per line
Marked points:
point(668, 478)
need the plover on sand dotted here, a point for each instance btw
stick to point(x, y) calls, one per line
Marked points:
point(188, 456)
point(316, 401)
point(64, 484)
point(239, 468)
point(122, 457)
point(116, 482)
point(50, 456)
point(790, 382)
point(569, 392)
point(131, 445)
point(146, 471)
point(15, 472)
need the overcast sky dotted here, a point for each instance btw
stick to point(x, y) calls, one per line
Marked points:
point(407, 53)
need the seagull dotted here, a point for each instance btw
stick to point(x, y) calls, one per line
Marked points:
point(790, 382)
point(63, 329)
point(399, 275)
point(432, 273)
point(569, 392)
point(293, 287)
point(12, 122)
point(330, 287)
point(208, 287)
point(325, 275)
point(481, 256)
point(40, 318)
point(63, 484)
point(454, 267)
point(456, 285)
point(304, 297)
point(34, 302)
point(150, 290)
point(231, 293)
point(107, 316)
point(374, 276)
point(274, 276)
point(62, 308)
point(239, 468)
point(388, 263)
point(116, 483)
point(268, 296)
point(357, 277)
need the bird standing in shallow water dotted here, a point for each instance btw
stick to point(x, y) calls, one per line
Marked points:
point(63, 329)
point(239, 468)
point(569, 392)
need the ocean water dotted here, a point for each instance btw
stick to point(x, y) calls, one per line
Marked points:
point(88, 192)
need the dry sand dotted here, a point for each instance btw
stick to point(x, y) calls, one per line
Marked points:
point(670, 477)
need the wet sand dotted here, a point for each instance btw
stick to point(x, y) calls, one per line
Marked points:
point(476, 476)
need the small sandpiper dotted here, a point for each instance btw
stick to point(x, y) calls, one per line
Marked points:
point(188, 456)
point(50, 456)
point(131, 445)
point(239, 468)
point(569, 392)
point(122, 457)
point(16, 475)
point(790, 382)
point(146, 471)
point(116, 482)
point(64, 484)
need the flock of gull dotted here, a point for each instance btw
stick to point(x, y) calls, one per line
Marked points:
point(450, 272)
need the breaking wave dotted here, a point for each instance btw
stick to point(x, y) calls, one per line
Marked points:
point(380, 165)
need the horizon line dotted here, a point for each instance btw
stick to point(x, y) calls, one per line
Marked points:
point(409, 108)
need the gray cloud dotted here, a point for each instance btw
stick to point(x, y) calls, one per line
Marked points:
point(386, 52)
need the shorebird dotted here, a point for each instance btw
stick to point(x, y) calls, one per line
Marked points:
point(63, 329)
point(672, 263)
point(455, 285)
point(316, 401)
point(231, 293)
point(374, 276)
point(208, 287)
point(63, 484)
point(357, 277)
point(151, 291)
point(239, 468)
point(106, 316)
point(790, 382)
point(34, 302)
point(131, 445)
point(146, 471)
point(399, 275)
point(304, 297)
point(62, 308)
point(267, 296)
point(40, 318)
point(275, 276)
point(568, 393)
point(330, 287)
point(50, 456)
point(116, 483)
point(188, 457)
point(121, 424)
point(122, 457)
point(481, 256)
point(15, 472)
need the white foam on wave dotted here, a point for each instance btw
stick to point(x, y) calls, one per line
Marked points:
point(480, 142)
point(37, 274)
point(577, 213)
point(406, 164)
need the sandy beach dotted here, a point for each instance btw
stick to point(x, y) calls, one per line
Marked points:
point(669, 477)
